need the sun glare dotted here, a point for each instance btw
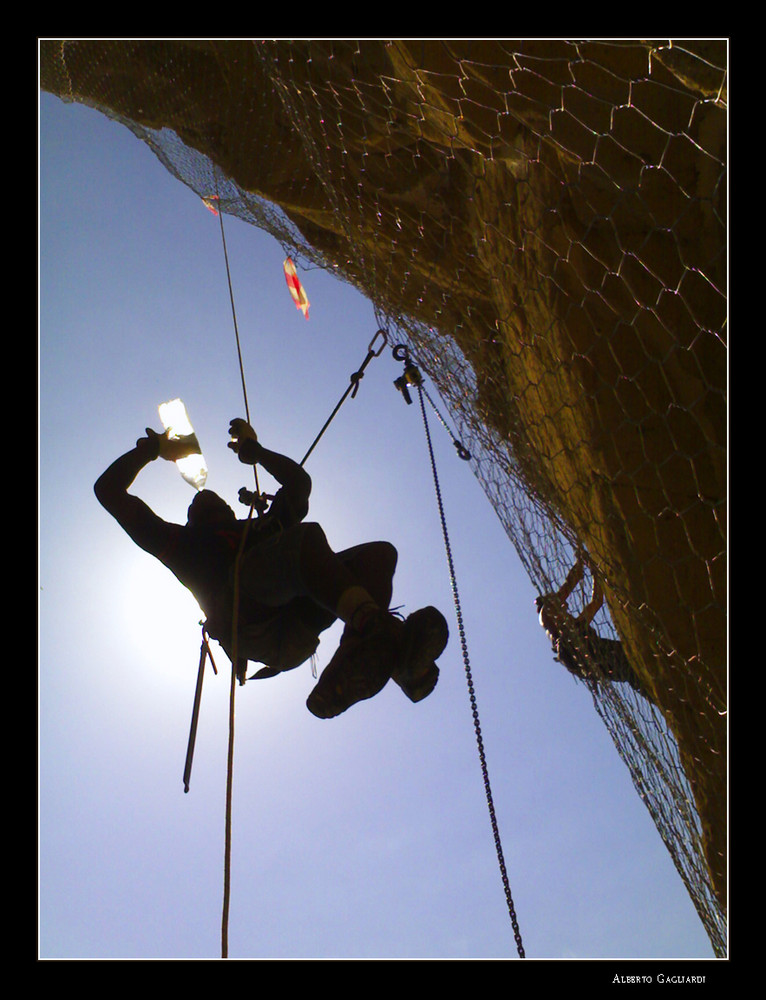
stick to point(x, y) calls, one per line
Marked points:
point(161, 619)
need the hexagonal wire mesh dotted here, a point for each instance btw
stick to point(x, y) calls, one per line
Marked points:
point(543, 224)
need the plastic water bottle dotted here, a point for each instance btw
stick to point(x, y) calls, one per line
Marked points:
point(176, 422)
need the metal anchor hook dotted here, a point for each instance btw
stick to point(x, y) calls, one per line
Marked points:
point(357, 377)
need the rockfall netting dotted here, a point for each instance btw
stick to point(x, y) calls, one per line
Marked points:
point(543, 224)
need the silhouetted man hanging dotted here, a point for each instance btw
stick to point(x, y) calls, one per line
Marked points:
point(291, 584)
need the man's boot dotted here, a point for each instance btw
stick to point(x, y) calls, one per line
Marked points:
point(424, 640)
point(360, 668)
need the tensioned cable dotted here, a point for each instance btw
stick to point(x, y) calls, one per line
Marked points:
point(234, 314)
point(234, 632)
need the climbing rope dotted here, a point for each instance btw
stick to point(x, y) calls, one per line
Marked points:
point(464, 647)
point(237, 672)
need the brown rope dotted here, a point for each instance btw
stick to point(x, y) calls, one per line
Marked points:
point(234, 637)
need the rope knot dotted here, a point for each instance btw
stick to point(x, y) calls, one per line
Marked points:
point(357, 377)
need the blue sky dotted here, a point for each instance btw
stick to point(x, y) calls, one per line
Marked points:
point(367, 836)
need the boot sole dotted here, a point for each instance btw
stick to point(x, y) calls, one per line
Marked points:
point(345, 684)
point(426, 637)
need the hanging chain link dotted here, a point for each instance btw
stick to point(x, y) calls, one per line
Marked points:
point(472, 695)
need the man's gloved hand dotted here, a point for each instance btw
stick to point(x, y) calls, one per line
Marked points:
point(244, 437)
point(163, 446)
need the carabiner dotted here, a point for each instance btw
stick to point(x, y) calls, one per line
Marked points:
point(381, 333)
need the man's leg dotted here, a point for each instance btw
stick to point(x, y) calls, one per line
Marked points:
point(425, 632)
point(373, 564)
point(353, 584)
point(357, 584)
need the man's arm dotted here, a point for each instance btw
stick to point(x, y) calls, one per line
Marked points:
point(573, 578)
point(292, 501)
point(111, 488)
point(594, 604)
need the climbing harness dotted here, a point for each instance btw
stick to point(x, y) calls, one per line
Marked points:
point(413, 377)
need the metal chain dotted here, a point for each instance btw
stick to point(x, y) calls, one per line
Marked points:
point(469, 678)
point(462, 451)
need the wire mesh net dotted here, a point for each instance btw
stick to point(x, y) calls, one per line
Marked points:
point(543, 224)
